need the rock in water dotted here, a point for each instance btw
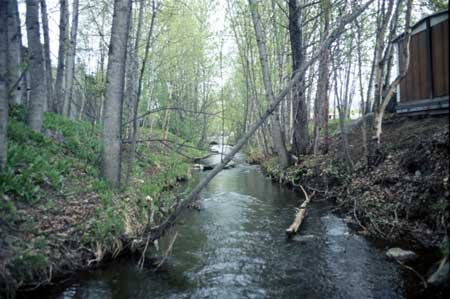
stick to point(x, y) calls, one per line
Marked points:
point(401, 254)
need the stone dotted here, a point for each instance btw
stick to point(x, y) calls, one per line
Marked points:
point(401, 254)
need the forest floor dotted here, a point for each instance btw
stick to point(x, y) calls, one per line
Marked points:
point(57, 216)
point(403, 197)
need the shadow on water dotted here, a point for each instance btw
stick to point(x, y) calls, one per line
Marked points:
point(236, 248)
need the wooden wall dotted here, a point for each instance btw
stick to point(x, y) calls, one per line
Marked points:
point(418, 84)
point(440, 53)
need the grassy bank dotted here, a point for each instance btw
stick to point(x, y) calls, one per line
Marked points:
point(57, 216)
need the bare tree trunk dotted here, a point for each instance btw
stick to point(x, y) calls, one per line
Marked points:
point(47, 59)
point(361, 90)
point(300, 139)
point(379, 56)
point(4, 83)
point(321, 100)
point(157, 232)
point(70, 70)
point(60, 70)
point(136, 86)
point(277, 136)
point(14, 52)
point(37, 81)
point(378, 121)
point(112, 117)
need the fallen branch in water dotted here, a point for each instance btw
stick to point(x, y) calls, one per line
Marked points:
point(300, 214)
point(166, 254)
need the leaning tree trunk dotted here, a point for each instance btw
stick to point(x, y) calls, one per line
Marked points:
point(37, 80)
point(14, 51)
point(70, 71)
point(380, 42)
point(112, 114)
point(47, 59)
point(4, 84)
point(277, 136)
point(63, 39)
point(158, 231)
point(378, 121)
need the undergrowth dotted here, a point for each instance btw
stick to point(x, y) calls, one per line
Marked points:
point(52, 181)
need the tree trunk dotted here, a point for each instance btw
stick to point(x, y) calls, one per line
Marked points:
point(4, 83)
point(157, 232)
point(14, 51)
point(37, 80)
point(378, 121)
point(112, 115)
point(47, 59)
point(379, 56)
point(134, 92)
point(300, 139)
point(60, 70)
point(70, 70)
point(277, 136)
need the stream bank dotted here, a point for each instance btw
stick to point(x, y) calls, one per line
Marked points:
point(236, 247)
point(403, 199)
point(57, 217)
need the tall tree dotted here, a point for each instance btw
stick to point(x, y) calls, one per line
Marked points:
point(71, 52)
point(136, 86)
point(300, 140)
point(14, 51)
point(4, 84)
point(60, 69)
point(47, 59)
point(277, 136)
point(37, 80)
point(321, 101)
point(115, 75)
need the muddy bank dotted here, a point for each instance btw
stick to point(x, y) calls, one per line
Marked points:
point(403, 198)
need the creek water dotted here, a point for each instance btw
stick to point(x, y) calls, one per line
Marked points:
point(236, 247)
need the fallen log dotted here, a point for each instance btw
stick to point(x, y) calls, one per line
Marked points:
point(300, 215)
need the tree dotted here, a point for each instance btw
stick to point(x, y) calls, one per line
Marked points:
point(321, 100)
point(300, 140)
point(378, 121)
point(14, 52)
point(136, 85)
point(37, 80)
point(47, 59)
point(4, 84)
point(70, 70)
point(115, 75)
point(277, 136)
point(60, 69)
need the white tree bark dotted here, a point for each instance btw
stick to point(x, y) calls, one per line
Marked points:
point(37, 80)
point(70, 70)
point(112, 115)
point(277, 135)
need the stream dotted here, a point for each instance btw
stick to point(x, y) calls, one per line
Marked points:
point(236, 247)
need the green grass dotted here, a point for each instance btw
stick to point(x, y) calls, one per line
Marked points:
point(62, 165)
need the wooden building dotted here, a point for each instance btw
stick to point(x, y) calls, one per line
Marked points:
point(425, 89)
